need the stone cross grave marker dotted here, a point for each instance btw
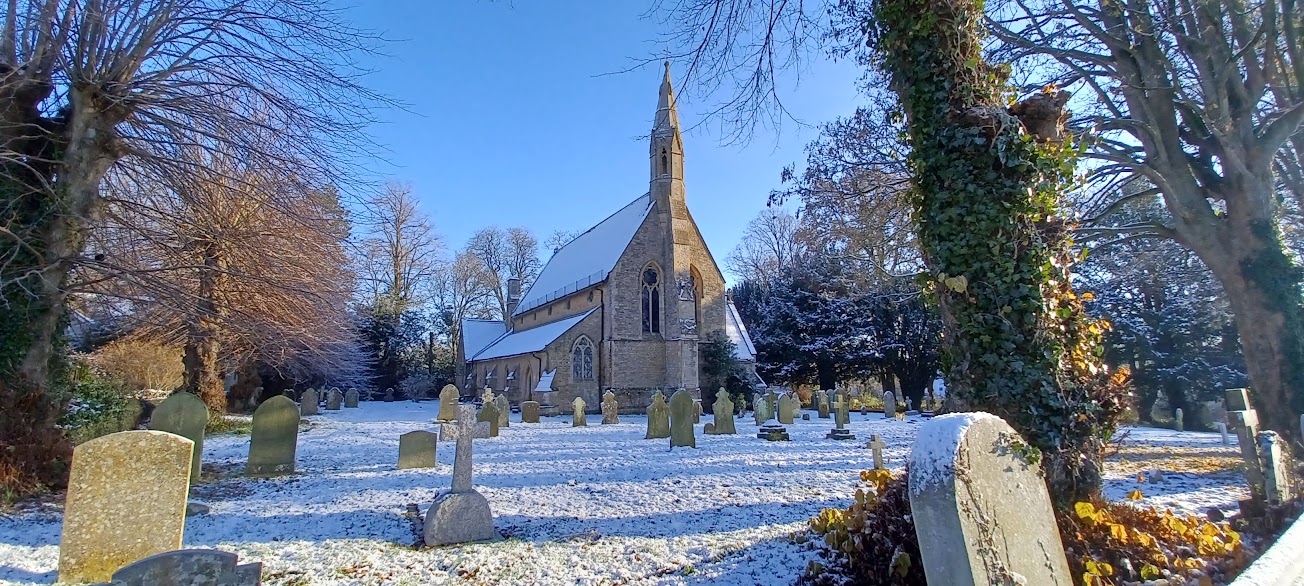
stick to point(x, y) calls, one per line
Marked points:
point(504, 411)
point(448, 401)
point(184, 414)
point(489, 414)
point(722, 411)
point(488, 396)
point(658, 417)
point(308, 403)
point(1245, 421)
point(822, 403)
point(889, 405)
point(416, 449)
point(460, 515)
point(841, 418)
point(578, 418)
point(126, 501)
point(681, 420)
point(448, 432)
point(785, 409)
point(529, 411)
point(1178, 423)
point(610, 408)
point(274, 438)
point(351, 399)
point(334, 399)
point(876, 445)
point(772, 404)
point(982, 513)
point(189, 567)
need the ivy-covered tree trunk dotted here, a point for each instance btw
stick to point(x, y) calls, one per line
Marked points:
point(987, 184)
point(200, 359)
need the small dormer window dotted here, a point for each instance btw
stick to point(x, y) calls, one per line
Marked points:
point(665, 163)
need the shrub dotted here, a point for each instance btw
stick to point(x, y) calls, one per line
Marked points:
point(872, 542)
point(34, 453)
point(140, 364)
point(99, 406)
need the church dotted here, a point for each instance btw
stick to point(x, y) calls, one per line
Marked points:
point(623, 306)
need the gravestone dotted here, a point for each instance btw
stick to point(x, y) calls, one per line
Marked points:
point(785, 409)
point(448, 432)
point(610, 408)
point(416, 449)
point(1245, 421)
point(889, 405)
point(697, 410)
point(1178, 423)
point(489, 414)
point(840, 419)
point(1276, 467)
point(287, 393)
point(682, 411)
point(658, 417)
point(389, 395)
point(126, 501)
point(722, 410)
point(529, 412)
point(334, 399)
point(771, 404)
point(351, 399)
point(1222, 431)
point(448, 401)
point(183, 414)
point(504, 411)
point(308, 403)
point(876, 445)
point(488, 396)
point(274, 438)
point(822, 403)
point(189, 567)
point(981, 510)
point(760, 412)
point(578, 418)
point(461, 514)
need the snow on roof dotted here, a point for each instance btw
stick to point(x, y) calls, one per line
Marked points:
point(480, 333)
point(545, 382)
point(588, 258)
point(737, 333)
point(531, 340)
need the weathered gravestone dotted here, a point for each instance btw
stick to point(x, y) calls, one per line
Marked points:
point(488, 396)
point(126, 501)
point(785, 409)
point(460, 515)
point(274, 438)
point(1276, 467)
point(448, 432)
point(309, 402)
point(876, 446)
point(529, 412)
point(682, 411)
point(822, 403)
point(1245, 421)
point(723, 415)
point(697, 410)
point(658, 417)
point(448, 401)
point(351, 399)
point(981, 510)
point(504, 411)
point(389, 395)
point(577, 416)
point(489, 414)
point(610, 408)
point(889, 404)
point(1179, 423)
point(183, 414)
point(761, 412)
point(189, 567)
point(333, 399)
point(841, 418)
point(287, 393)
point(416, 449)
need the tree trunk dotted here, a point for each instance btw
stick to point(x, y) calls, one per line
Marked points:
point(202, 374)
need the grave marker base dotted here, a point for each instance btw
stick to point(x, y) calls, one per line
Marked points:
point(774, 433)
point(840, 434)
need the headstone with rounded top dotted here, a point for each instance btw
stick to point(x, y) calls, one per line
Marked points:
point(1179, 423)
point(722, 411)
point(610, 408)
point(785, 409)
point(504, 411)
point(126, 501)
point(389, 395)
point(416, 449)
point(761, 412)
point(308, 404)
point(658, 417)
point(980, 507)
point(287, 393)
point(822, 403)
point(185, 415)
point(274, 438)
point(577, 416)
point(489, 414)
point(448, 401)
point(529, 411)
point(351, 399)
point(682, 411)
point(334, 399)
point(889, 405)
point(189, 567)
point(460, 515)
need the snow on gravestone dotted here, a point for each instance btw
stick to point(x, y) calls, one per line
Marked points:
point(274, 438)
point(981, 510)
point(416, 449)
point(183, 414)
point(658, 417)
point(448, 401)
point(126, 501)
point(191, 567)
point(889, 404)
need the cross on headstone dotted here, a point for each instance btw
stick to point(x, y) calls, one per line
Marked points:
point(876, 444)
point(462, 461)
point(1245, 421)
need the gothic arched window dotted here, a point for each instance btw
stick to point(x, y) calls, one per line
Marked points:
point(665, 163)
point(651, 301)
point(582, 360)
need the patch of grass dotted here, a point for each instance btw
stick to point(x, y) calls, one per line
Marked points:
point(231, 425)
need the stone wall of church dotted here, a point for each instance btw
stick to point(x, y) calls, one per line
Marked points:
point(573, 304)
point(560, 357)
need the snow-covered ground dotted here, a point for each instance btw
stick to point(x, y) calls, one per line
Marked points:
point(595, 505)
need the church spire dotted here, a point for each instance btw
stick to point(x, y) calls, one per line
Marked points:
point(667, 113)
point(667, 144)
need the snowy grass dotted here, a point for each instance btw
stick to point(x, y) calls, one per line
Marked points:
point(595, 505)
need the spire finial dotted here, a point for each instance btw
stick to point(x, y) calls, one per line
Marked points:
point(667, 69)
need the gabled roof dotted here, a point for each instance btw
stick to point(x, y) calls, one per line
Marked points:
point(479, 333)
point(737, 332)
point(531, 340)
point(588, 258)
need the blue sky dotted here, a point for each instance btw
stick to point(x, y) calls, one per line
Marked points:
point(511, 121)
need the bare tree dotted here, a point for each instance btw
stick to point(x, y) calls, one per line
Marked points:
point(770, 245)
point(459, 293)
point(401, 254)
point(558, 239)
point(505, 254)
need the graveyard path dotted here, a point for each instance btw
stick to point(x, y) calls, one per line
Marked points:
point(592, 505)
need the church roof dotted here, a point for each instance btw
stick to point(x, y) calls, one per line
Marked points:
point(531, 340)
point(737, 332)
point(588, 258)
point(479, 333)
